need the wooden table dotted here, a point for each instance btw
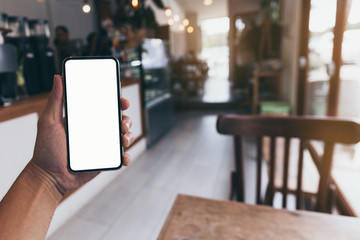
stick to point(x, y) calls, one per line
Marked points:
point(197, 218)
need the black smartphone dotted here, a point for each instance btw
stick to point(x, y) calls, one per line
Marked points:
point(93, 113)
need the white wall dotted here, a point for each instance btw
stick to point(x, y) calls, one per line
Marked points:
point(27, 8)
point(17, 141)
point(69, 13)
point(217, 10)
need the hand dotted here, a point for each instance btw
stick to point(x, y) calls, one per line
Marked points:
point(50, 154)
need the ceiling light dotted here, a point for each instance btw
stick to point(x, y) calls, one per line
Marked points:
point(181, 27)
point(135, 3)
point(176, 17)
point(170, 21)
point(190, 29)
point(86, 8)
point(207, 2)
point(168, 12)
point(186, 22)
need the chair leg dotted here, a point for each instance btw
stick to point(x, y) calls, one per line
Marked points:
point(269, 196)
point(232, 187)
point(332, 198)
point(235, 192)
point(308, 202)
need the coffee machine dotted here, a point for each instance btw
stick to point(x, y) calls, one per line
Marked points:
point(39, 38)
point(4, 26)
point(8, 65)
point(28, 75)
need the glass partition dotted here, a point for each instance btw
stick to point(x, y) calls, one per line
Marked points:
point(350, 70)
point(321, 26)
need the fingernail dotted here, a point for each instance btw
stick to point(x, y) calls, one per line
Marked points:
point(128, 160)
point(129, 138)
point(55, 76)
point(128, 125)
point(54, 82)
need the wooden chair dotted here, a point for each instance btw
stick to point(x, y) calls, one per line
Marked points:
point(328, 130)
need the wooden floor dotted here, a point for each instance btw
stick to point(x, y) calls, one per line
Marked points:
point(191, 159)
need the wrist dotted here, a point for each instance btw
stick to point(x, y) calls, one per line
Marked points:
point(45, 179)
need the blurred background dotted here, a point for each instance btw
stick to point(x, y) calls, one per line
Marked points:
point(183, 62)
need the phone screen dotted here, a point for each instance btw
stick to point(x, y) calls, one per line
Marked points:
point(93, 115)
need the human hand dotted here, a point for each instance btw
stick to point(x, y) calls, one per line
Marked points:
point(50, 154)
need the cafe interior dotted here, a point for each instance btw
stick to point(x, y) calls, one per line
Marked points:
point(244, 113)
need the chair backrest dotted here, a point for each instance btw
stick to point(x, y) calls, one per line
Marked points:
point(329, 130)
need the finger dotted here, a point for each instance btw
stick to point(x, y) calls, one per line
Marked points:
point(127, 159)
point(128, 139)
point(125, 104)
point(126, 124)
point(54, 106)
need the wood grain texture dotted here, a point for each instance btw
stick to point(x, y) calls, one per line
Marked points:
point(35, 103)
point(194, 218)
point(315, 128)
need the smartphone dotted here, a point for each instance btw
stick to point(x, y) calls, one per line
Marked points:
point(93, 113)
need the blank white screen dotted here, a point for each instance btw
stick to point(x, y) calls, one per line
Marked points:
point(92, 114)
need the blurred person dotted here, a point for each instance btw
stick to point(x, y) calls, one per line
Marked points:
point(64, 48)
point(98, 44)
point(92, 46)
point(105, 44)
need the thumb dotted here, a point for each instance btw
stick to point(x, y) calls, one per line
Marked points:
point(54, 106)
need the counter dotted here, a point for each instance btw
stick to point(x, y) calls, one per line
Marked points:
point(34, 104)
point(18, 126)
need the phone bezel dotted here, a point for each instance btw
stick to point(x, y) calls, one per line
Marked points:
point(119, 112)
